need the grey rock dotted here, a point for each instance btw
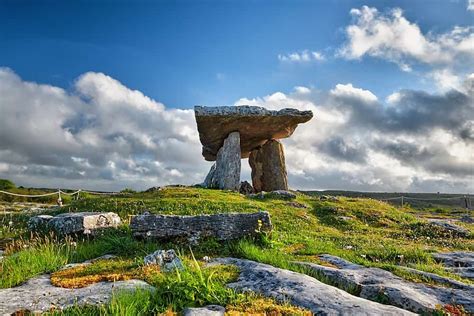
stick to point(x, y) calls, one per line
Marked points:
point(39, 222)
point(226, 226)
point(268, 167)
point(75, 223)
point(328, 198)
point(374, 283)
point(166, 259)
point(467, 219)
point(303, 291)
point(459, 262)
point(255, 124)
point(209, 310)
point(39, 295)
point(282, 194)
point(297, 205)
point(1, 255)
point(447, 225)
point(278, 194)
point(225, 173)
point(245, 188)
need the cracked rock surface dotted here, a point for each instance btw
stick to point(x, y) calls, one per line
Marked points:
point(39, 295)
point(375, 283)
point(303, 291)
point(459, 262)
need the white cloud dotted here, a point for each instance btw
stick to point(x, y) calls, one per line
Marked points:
point(470, 5)
point(392, 37)
point(304, 56)
point(101, 135)
point(445, 80)
point(349, 91)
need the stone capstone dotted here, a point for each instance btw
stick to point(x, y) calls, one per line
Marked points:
point(225, 172)
point(268, 167)
point(75, 223)
point(167, 260)
point(255, 124)
point(374, 283)
point(209, 310)
point(38, 295)
point(227, 226)
point(302, 290)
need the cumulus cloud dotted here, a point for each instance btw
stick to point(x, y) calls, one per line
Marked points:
point(304, 56)
point(392, 37)
point(414, 142)
point(101, 135)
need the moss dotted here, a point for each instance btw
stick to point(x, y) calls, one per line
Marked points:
point(264, 306)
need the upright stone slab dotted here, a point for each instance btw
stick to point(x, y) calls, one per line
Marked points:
point(225, 173)
point(268, 167)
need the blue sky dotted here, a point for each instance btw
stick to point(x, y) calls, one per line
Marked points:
point(99, 94)
point(203, 52)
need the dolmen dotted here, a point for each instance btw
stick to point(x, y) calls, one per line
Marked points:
point(231, 133)
point(81, 223)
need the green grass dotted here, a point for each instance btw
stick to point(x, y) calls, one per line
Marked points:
point(365, 231)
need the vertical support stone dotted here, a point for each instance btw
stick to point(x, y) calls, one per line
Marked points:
point(268, 167)
point(225, 173)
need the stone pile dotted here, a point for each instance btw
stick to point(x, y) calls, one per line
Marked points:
point(230, 133)
point(227, 226)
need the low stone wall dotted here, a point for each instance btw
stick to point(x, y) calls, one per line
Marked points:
point(192, 228)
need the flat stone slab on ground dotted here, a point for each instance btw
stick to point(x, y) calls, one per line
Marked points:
point(459, 262)
point(374, 283)
point(75, 223)
point(255, 124)
point(39, 295)
point(209, 310)
point(303, 291)
point(226, 226)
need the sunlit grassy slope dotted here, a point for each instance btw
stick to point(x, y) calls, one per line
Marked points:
point(362, 230)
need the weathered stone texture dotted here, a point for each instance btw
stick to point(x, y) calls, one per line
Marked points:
point(75, 223)
point(268, 167)
point(39, 295)
point(459, 262)
point(168, 260)
point(192, 228)
point(225, 173)
point(373, 283)
point(209, 310)
point(255, 124)
point(303, 291)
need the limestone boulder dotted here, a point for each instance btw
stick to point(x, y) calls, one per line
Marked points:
point(168, 260)
point(245, 188)
point(225, 173)
point(209, 310)
point(268, 167)
point(255, 124)
point(226, 226)
point(302, 290)
point(75, 223)
point(375, 283)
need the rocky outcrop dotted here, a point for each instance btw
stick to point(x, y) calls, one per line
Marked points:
point(225, 172)
point(193, 228)
point(459, 262)
point(74, 223)
point(255, 124)
point(209, 310)
point(278, 194)
point(167, 260)
point(268, 167)
point(375, 284)
point(39, 295)
point(303, 291)
point(453, 229)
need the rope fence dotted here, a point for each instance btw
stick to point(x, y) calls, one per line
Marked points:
point(58, 193)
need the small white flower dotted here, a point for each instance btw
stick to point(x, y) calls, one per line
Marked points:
point(10, 223)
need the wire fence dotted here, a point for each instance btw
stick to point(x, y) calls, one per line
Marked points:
point(465, 200)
